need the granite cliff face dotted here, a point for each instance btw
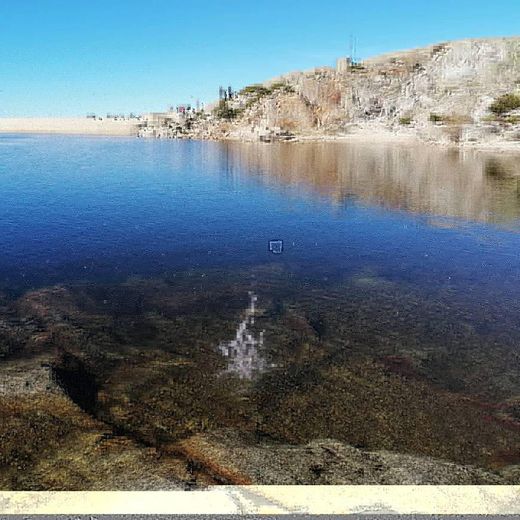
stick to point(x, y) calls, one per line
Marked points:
point(441, 93)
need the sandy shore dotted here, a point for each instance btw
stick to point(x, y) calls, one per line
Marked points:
point(388, 137)
point(67, 125)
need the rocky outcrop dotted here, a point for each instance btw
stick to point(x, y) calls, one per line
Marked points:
point(440, 93)
point(49, 443)
point(324, 461)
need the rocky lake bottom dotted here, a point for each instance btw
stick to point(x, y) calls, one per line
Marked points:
point(127, 382)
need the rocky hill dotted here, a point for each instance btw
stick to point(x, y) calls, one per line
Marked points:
point(123, 386)
point(462, 91)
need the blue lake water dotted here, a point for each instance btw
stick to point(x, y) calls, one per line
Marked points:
point(75, 209)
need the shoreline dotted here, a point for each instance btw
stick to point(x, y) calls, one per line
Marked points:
point(411, 139)
point(380, 138)
point(126, 128)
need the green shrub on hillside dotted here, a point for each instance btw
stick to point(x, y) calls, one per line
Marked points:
point(284, 87)
point(505, 103)
point(257, 90)
point(357, 67)
point(451, 119)
point(512, 120)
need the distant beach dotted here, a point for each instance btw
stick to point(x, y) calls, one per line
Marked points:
point(68, 125)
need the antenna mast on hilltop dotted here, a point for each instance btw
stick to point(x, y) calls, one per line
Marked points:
point(353, 48)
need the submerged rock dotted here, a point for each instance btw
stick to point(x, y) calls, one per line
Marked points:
point(326, 461)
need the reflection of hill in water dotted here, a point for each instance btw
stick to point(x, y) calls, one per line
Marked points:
point(421, 179)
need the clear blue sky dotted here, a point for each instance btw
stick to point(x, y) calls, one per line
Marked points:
point(69, 57)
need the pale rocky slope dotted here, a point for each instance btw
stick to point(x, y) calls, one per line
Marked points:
point(398, 93)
